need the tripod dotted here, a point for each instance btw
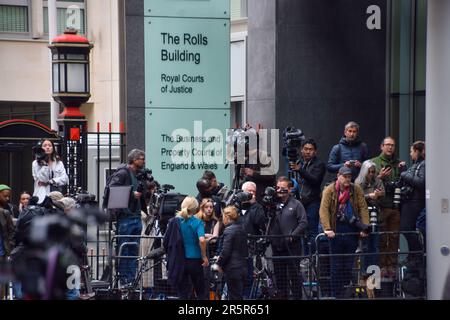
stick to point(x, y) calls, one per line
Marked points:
point(138, 283)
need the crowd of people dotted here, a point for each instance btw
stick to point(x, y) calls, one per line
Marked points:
point(204, 230)
point(339, 210)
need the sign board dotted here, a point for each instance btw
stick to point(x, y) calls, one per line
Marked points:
point(186, 63)
point(182, 144)
point(188, 8)
point(187, 89)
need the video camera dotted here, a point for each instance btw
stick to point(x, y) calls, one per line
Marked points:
point(293, 139)
point(270, 200)
point(235, 197)
point(143, 176)
point(163, 206)
point(40, 154)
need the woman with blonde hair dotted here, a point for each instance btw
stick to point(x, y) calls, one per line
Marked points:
point(233, 257)
point(194, 242)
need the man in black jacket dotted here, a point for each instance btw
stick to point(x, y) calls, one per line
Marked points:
point(254, 217)
point(350, 151)
point(129, 219)
point(233, 257)
point(290, 221)
point(309, 172)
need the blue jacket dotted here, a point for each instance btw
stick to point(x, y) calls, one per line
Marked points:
point(173, 244)
point(345, 151)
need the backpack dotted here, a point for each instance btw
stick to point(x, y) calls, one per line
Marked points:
point(107, 189)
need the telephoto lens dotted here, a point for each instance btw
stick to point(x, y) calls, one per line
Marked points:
point(397, 197)
point(373, 218)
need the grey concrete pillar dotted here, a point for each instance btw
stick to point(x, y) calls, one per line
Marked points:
point(261, 62)
point(437, 147)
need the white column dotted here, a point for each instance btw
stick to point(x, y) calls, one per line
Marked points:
point(52, 33)
point(437, 145)
point(37, 19)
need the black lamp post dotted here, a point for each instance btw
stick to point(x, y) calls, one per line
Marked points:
point(70, 75)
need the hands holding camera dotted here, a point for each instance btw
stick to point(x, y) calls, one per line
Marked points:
point(352, 163)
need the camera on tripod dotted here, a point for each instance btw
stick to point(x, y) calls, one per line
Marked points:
point(236, 198)
point(270, 201)
point(163, 206)
point(143, 176)
point(293, 139)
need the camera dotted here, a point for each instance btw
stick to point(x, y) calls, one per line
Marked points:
point(56, 242)
point(373, 218)
point(143, 176)
point(234, 197)
point(163, 206)
point(353, 221)
point(293, 139)
point(40, 154)
point(400, 190)
point(270, 201)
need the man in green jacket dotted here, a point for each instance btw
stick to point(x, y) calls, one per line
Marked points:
point(388, 170)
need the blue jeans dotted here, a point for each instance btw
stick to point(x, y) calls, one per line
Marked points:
point(17, 289)
point(342, 267)
point(131, 225)
point(312, 213)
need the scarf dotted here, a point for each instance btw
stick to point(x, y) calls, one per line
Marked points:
point(343, 196)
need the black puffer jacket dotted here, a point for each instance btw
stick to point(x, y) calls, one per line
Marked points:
point(346, 151)
point(233, 257)
point(309, 178)
point(414, 177)
point(254, 219)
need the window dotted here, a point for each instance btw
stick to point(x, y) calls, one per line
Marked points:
point(13, 18)
point(407, 73)
point(65, 15)
point(238, 9)
point(38, 111)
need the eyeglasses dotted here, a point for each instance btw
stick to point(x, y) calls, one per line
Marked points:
point(389, 145)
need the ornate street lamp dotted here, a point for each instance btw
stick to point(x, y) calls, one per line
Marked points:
point(70, 66)
point(70, 78)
